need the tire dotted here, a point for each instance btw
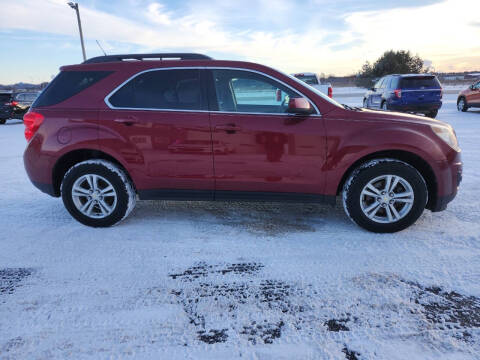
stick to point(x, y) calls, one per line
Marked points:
point(462, 104)
point(365, 103)
point(432, 114)
point(113, 199)
point(360, 206)
point(3, 121)
point(384, 106)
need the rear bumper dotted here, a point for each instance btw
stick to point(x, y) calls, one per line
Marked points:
point(421, 108)
point(5, 113)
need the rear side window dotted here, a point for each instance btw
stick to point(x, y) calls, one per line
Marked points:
point(161, 89)
point(68, 84)
point(415, 82)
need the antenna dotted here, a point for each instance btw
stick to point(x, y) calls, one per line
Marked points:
point(100, 46)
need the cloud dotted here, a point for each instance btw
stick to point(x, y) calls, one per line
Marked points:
point(318, 35)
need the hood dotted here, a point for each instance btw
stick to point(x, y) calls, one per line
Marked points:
point(379, 115)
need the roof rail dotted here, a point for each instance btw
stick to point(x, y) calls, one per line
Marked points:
point(161, 56)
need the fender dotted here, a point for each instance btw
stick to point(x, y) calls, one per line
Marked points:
point(348, 141)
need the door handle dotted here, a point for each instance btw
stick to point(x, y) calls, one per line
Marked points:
point(228, 128)
point(127, 121)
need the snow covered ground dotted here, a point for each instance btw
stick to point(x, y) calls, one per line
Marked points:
point(199, 280)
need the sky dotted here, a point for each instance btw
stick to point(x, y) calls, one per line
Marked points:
point(323, 36)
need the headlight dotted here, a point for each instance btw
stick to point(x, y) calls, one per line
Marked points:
point(447, 134)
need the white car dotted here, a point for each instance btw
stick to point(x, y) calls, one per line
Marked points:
point(313, 80)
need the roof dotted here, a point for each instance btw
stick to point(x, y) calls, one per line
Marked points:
point(141, 57)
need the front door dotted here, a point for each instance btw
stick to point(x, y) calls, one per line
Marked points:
point(258, 147)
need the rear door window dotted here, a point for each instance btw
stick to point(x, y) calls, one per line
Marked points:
point(67, 84)
point(419, 82)
point(162, 90)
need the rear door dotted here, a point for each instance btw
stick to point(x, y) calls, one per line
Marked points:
point(158, 124)
point(420, 90)
point(262, 150)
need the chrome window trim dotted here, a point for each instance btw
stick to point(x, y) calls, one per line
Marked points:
point(107, 98)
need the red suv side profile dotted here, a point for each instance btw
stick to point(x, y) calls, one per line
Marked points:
point(469, 97)
point(187, 127)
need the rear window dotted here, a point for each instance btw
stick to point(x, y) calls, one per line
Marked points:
point(309, 79)
point(161, 89)
point(5, 98)
point(68, 84)
point(416, 82)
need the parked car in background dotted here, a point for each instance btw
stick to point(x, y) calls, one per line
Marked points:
point(193, 128)
point(22, 102)
point(314, 80)
point(15, 105)
point(413, 93)
point(469, 98)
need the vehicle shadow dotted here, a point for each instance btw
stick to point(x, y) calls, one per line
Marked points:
point(259, 218)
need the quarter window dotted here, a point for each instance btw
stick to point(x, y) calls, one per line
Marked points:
point(249, 92)
point(161, 89)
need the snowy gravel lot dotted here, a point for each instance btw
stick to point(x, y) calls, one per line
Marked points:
point(199, 280)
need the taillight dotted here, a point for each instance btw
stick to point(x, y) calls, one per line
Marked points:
point(397, 93)
point(13, 103)
point(330, 92)
point(32, 122)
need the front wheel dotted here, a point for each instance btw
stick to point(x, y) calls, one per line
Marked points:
point(432, 114)
point(97, 193)
point(385, 195)
point(462, 105)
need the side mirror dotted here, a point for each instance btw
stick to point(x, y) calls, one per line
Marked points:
point(299, 106)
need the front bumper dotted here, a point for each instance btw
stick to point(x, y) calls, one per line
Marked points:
point(448, 182)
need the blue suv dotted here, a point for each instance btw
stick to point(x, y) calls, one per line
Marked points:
point(415, 93)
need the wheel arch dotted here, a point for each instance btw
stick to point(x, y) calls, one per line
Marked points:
point(410, 158)
point(66, 161)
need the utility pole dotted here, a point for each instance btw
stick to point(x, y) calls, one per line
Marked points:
point(74, 6)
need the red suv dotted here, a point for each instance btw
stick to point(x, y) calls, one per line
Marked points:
point(187, 127)
point(469, 97)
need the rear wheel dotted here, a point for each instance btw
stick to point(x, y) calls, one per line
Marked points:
point(97, 193)
point(462, 104)
point(432, 114)
point(385, 195)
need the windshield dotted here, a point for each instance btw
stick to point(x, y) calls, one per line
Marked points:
point(316, 91)
point(309, 79)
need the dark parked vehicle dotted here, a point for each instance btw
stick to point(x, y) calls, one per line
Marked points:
point(469, 98)
point(413, 93)
point(6, 108)
point(15, 105)
point(193, 128)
